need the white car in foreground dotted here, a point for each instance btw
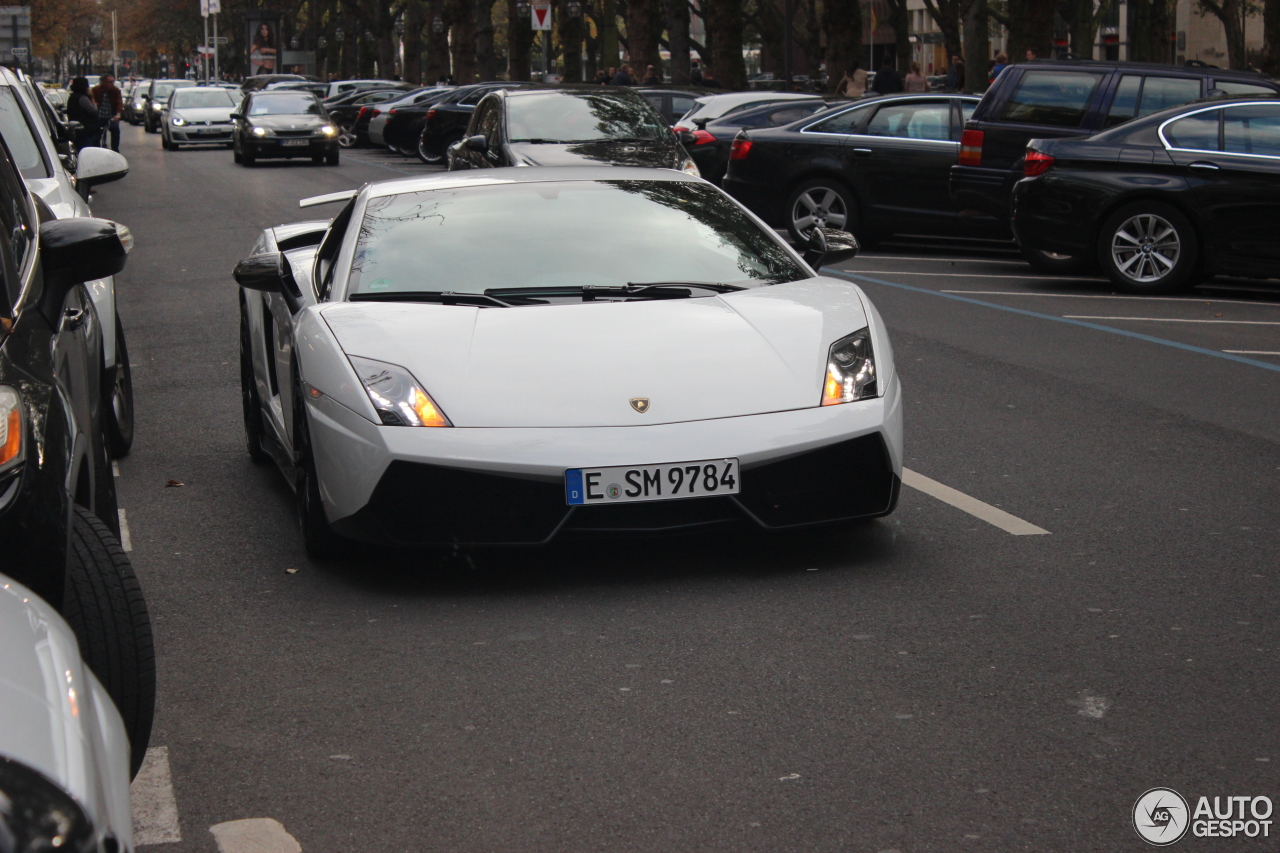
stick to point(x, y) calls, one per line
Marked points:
point(510, 356)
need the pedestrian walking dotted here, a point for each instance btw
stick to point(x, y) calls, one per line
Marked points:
point(606, 77)
point(623, 77)
point(854, 82)
point(695, 74)
point(82, 109)
point(1002, 62)
point(915, 81)
point(110, 103)
point(888, 80)
point(955, 77)
point(652, 77)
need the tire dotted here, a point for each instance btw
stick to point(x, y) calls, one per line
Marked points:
point(105, 607)
point(1148, 247)
point(117, 399)
point(347, 135)
point(331, 159)
point(1053, 263)
point(317, 159)
point(319, 541)
point(235, 154)
point(251, 403)
point(426, 154)
point(820, 202)
point(247, 157)
point(165, 143)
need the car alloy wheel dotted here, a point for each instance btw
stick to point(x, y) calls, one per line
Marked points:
point(346, 135)
point(117, 393)
point(427, 154)
point(1148, 247)
point(820, 204)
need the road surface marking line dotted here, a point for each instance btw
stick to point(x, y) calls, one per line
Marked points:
point(1251, 352)
point(254, 835)
point(126, 541)
point(1188, 300)
point(155, 810)
point(115, 468)
point(1151, 339)
point(984, 511)
point(982, 275)
point(1175, 320)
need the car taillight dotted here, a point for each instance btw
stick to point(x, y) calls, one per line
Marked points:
point(971, 148)
point(375, 113)
point(391, 112)
point(1037, 163)
point(702, 137)
point(740, 148)
point(431, 114)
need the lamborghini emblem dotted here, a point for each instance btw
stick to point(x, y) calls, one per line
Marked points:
point(640, 404)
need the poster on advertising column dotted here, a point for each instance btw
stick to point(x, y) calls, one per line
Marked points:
point(263, 39)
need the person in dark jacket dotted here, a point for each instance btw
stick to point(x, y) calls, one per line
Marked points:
point(110, 107)
point(955, 77)
point(888, 80)
point(623, 77)
point(695, 74)
point(652, 77)
point(82, 109)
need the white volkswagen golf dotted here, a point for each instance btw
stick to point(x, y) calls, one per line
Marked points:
point(508, 357)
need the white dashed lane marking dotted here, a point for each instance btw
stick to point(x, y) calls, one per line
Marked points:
point(984, 511)
point(155, 809)
point(1175, 320)
point(254, 835)
point(126, 541)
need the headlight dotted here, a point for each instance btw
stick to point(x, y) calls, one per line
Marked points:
point(328, 130)
point(137, 105)
point(691, 168)
point(36, 814)
point(155, 106)
point(396, 395)
point(177, 121)
point(851, 370)
point(259, 131)
point(10, 428)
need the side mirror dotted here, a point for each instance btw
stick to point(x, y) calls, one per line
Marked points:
point(100, 166)
point(235, 116)
point(476, 143)
point(76, 250)
point(146, 97)
point(829, 246)
point(270, 274)
point(686, 137)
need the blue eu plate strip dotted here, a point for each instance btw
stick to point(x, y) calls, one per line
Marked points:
point(573, 492)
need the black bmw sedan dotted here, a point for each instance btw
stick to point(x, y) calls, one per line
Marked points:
point(1164, 200)
point(283, 124)
point(568, 126)
point(711, 142)
point(879, 167)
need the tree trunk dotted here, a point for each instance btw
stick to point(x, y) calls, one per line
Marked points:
point(1271, 37)
point(415, 18)
point(1030, 28)
point(570, 31)
point(1084, 27)
point(946, 14)
point(677, 18)
point(644, 27)
point(725, 19)
point(437, 62)
point(519, 42)
point(482, 21)
point(769, 23)
point(1230, 13)
point(608, 34)
point(462, 42)
point(842, 25)
point(900, 20)
point(977, 45)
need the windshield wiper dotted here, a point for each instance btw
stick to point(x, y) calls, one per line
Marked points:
point(443, 297)
point(543, 141)
point(718, 287)
point(588, 292)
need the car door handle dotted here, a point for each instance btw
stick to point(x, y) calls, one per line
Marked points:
point(73, 318)
point(862, 152)
point(1209, 167)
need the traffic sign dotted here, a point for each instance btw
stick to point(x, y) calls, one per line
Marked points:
point(218, 40)
point(19, 51)
point(541, 13)
point(204, 50)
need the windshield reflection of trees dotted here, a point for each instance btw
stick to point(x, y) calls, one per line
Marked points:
point(377, 223)
point(615, 116)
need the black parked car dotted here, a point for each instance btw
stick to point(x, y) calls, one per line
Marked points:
point(344, 114)
point(59, 525)
point(710, 145)
point(568, 126)
point(875, 168)
point(395, 123)
point(1163, 200)
point(1050, 99)
point(432, 128)
point(283, 124)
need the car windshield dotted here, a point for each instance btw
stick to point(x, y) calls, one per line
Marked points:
point(162, 90)
point(285, 105)
point(18, 136)
point(566, 117)
point(190, 99)
point(562, 235)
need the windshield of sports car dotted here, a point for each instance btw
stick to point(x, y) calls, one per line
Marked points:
point(285, 105)
point(573, 236)
point(567, 117)
point(193, 99)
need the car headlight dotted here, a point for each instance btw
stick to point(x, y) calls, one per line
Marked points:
point(328, 130)
point(177, 121)
point(10, 428)
point(851, 370)
point(137, 105)
point(259, 131)
point(691, 168)
point(396, 395)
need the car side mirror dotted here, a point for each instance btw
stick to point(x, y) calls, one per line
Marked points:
point(270, 274)
point(829, 246)
point(100, 166)
point(476, 143)
point(146, 97)
point(686, 137)
point(237, 116)
point(76, 250)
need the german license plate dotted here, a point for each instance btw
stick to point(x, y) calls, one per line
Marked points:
point(634, 483)
point(294, 142)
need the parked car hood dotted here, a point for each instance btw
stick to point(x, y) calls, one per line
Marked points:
point(570, 365)
point(652, 154)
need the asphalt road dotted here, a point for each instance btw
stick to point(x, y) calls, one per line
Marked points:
point(928, 682)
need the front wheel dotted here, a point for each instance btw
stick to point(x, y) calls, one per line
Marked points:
point(105, 608)
point(319, 541)
point(821, 203)
point(1148, 247)
point(117, 393)
point(250, 402)
point(247, 157)
point(347, 135)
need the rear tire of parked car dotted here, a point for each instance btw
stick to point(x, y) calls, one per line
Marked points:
point(105, 607)
point(331, 158)
point(427, 154)
point(117, 398)
point(250, 402)
point(1148, 247)
point(319, 541)
point(825, 202)
point(1054, 263)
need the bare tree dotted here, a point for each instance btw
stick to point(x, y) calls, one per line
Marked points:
point(1271, 37)
point(519, 44)
point(677, 20)
point(1232, 14)
point(947, 15)
point(725, 19)
point(842, 26)
point(644, 28)
point(1030, 28)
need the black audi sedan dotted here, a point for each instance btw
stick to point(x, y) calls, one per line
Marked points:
point(875, 168)
point(1162, 201)
point(711, 142)
point(283, 124)
point(568, 126)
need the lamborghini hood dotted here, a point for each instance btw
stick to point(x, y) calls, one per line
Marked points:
point(580, 364)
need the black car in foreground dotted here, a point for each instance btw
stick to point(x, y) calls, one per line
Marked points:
point(283, 124)
point(1164, 200)
point(875, 168)
point(568, 126)
point(711, 143)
